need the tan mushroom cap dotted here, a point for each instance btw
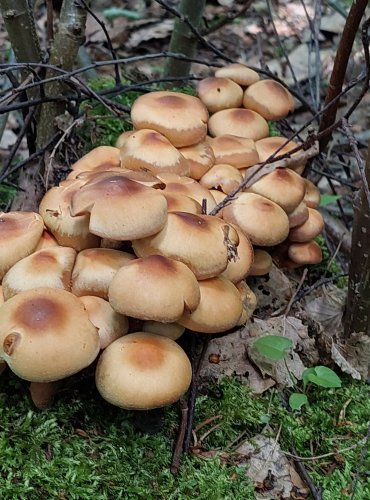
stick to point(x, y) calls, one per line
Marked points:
point(249, 301)
point(154, 288)
point(110, 324)
point(20, 233)
point(188, 238)
point(267, 146)
point(67, 230)
point(239, 73)
point(305, 253)
point(147, 149)
point(47, 240)
point(239, 264)
point(120, 209)
point(200, 158)
point(223, 177)
point(262, 263)
point(240, 152)
point(177, 184)
point(262, 220)
point(312, 194)
point(51, 267)
point(94, 270)
point(307, 231)
point(179, 117)
point(240, 122)
point(219, 309)
point(219, 93)
point(282, 186)
point(121, 139)
point(269, 98)
point(1, 295)
point(298, 216)
point(170, 330)
point(107, 156)
point(177, 202)
point(45, 335)
point(143, 177)
point(142, 371)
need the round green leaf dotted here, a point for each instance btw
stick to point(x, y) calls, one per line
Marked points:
point(297, 400)
point(324, 377)
point(273, 347)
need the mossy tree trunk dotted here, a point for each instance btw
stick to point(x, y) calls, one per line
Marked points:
point(183, 41)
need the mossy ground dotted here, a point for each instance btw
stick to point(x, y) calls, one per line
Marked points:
point(85, 448)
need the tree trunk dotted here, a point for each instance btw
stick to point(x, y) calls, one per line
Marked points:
point(183, 41)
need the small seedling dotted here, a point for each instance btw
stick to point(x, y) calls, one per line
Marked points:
point(276, 347)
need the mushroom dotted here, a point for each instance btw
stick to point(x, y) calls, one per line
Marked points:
point(222, 176)
point(298, 216)
point(171, 330)
point(240, 122)
point(249, 301)
point(20, 233)
point(200, 158)
point(107, 156)
point(239, 264)
point(239, 73)
point(312, 194)
point(179, 117)
point(268, 98)
point(189, 238)
point(46, 335)
point(262, 263)
point(143, 371)
point(218, 93)
point(240, 152)
point(305, 253)
point(309, 229)
point(268, 146)
point(154, 288)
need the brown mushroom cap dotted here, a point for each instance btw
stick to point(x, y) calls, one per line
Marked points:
point(222, 176)
point(45, 335)
point(267, 146)
point(219, 309)
point(51, 267)
point(67, 230)
point(200, 158)
point(307, 231)
point(107, 156)
point(262, 220)
point(188, 238)
point(298, 216)
point(249, 301)
point(219, 93)
point(262, 263)
point(47, 240)
point(110, 324)
point(240, 152)
point(177, 202)
point(312, 194)
point(94, 270)
point(282, 186)
point(142, 371)
point(170, 330)
point(150, 150)
point(268, 98)
point(155, 288)
point(305, 253)
point(120, 209)
point(239, 73)
point(239, 265)
point(240, 122)
point(179, 117)
point(20, 233)
point(121, 139)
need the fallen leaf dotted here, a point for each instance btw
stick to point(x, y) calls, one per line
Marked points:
point(272, 291)
point(342, 362)
point(327, 308)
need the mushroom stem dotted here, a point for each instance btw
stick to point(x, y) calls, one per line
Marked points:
point(43, 393)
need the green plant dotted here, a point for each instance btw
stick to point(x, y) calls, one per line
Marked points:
point(276, 347)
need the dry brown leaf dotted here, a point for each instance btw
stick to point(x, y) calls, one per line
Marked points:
point(155, 31)
point(342, 362)
point(327, 308)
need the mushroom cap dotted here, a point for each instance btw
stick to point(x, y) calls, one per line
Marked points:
point(239, 73)
point(189, 187)
point(218, 93)
point(240, 122)
point(155, 288)
point(239, 265)
point(262, 220)
point(222, 176)
point(51, 267)
point(20, 233)
point(249, 301)
point(305, 253)
point(107, 156)
point(240, 152)
point(179, 117)
point(121, 139)
point(299, 215)
point(120, 209)
point(312, 194)
point(282, 186)
point(177, 202)
point(110, 324)
point(267, 146)
point(67, 230)
point(150, 150)
point(268, 98)
point(47, 240)
point(200, 158)
point(142, 371)
point(94, 270)
point(307, 231)
point(170, 330)
point(219, 309)
point(188, 238)
point(262, 263)
point(46, 335)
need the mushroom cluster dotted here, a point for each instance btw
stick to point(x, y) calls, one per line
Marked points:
point(122, 256)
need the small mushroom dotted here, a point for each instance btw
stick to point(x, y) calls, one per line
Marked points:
point(240, 122)
point(219, 93)
point(268, 98)
point(239, 73)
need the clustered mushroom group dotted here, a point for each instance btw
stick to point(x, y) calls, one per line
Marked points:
point(125, 244)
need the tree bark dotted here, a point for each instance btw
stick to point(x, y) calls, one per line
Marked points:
point(183, 41)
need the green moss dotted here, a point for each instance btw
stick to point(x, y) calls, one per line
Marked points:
point(7, 193)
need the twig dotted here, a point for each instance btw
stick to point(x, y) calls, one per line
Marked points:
point(316, 492)
point(325, 455)
point(176, 456)
point(320, 282)
point(293, 297)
